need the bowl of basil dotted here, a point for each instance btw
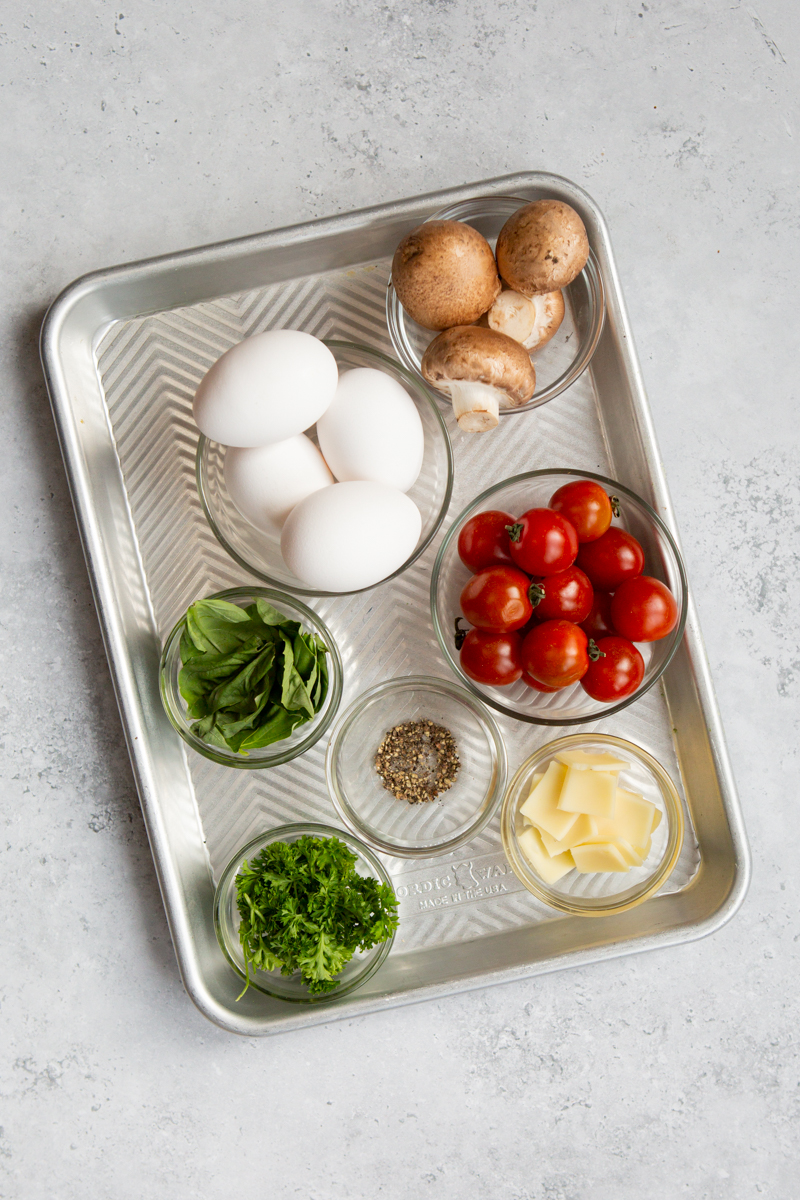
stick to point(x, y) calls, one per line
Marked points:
point(305, 913)
point(250, 677)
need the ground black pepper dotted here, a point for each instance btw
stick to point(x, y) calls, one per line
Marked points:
point(417, 761)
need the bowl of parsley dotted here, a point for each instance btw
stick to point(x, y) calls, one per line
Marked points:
point(305, 913)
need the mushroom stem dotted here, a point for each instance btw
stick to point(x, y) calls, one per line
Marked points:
point(476, 405)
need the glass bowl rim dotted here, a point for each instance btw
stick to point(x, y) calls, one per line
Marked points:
point(614, 485)
point(489, 727)
point(316, 728)
point(297, 829)
point(595, 287)
point(601, 906)
point(420, 386)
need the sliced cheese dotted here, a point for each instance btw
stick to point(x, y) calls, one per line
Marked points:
point(583, 760)
point(549, 869)
point(583, 830)
point(656, 819)
point(542, 808)
point(591, 792)
point(598, 856)
point(632, 821)
point(643, 851)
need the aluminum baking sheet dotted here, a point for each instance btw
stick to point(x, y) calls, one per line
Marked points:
point(123, 352)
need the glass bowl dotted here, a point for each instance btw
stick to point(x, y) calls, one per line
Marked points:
point(559, 363)
point(571, 705)
point(361, 967)
point(603, 893)
point(302, 738)
point(433, 827)
point(259, 553)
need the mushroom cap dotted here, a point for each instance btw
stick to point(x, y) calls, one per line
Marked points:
point(444, 274)
point(472, 354)
point(542, 247)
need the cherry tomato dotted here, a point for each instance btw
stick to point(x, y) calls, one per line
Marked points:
point(555, 653)
point(483, 542)
point(543, 542)
point(616, 672)
point(614, 557)
point(534, 683)
point(586, 506)
point(493, 658)
point(644, 609)
point(567, 595)
point(598, 623)
point(497, 598)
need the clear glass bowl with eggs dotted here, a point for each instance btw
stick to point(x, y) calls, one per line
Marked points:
point(259, 550)
point(304, 736)
point(533, 489)
point(561, 360)
point(599, 893)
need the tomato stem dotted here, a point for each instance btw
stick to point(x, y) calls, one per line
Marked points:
point(460, 634)
point(514, 532)
point(614, 505)
point(535, 594)
point(594, 651)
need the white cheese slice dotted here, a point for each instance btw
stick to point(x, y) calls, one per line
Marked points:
point(598, 856)
point(583, 830)
point(591, 792)
point(542, 808)
point(549, 869)
point(583, 760)
point(632, 821)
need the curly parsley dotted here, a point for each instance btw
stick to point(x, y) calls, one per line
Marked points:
point(305, 908)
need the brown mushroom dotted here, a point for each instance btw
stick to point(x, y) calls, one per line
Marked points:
point(542, 247)
point(444, 274)
point(531, 320)
point(479, 369)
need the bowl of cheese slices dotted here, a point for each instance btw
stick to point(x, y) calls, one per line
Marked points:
point(592, 824)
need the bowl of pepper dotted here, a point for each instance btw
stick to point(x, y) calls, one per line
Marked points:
point(416, 767)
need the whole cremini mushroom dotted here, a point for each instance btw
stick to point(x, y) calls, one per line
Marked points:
point(445, 274)
point(531, 320)
point(542, 247)
point(479, 369)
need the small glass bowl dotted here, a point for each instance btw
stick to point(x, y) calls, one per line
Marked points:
point(361, 967)
point(568, 353)
point(259, 553)
point(302, 738)
point(607, 892)
point(571, 705)
point(433, 827)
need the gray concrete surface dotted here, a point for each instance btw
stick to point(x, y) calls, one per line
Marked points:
point(138, 129)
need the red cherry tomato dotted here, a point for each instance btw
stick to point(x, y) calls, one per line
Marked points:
point(555, 653)
point(534, 683)
point(483, 542)
point(497, 598)
point(543, 542)
point(616, 672)
point(586, 506)
point(614, 557)
point(567, 595)
point(598, 623)
point(644, 609)
point(492, 658)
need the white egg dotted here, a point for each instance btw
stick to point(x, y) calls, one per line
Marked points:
point(350, 536)
point(372, 430)
point(266, 482)
point(266, 389)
